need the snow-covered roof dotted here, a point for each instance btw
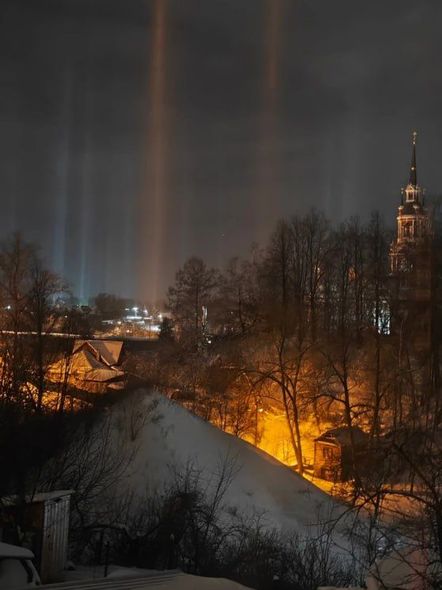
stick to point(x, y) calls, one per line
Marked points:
point(108, 351)
point(15, 552)
point(341, 436)
point(102, 375)
point(88, 368)
point(36, 498)
point(84, 360)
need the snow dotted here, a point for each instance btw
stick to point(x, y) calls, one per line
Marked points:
point(405, 569)
point(108, 351)
point(178, 580)
point(141, 579)
point(14, 552)
point(16, 568)
point(36, 498)
point(189, 582)
point(169, 438)
point(87, 365)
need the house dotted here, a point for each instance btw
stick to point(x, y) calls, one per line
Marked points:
point(93, 366)
point(333, 452)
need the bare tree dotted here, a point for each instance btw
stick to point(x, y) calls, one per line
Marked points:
point(41, 317)
point(238, 298)
point(16, 258)
point(190, 298)
point(28, 294)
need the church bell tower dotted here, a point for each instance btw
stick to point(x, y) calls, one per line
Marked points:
point(411, 262)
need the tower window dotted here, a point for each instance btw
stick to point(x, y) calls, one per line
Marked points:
point(407, 229)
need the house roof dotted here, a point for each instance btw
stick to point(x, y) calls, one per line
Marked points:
point(83, 361)
point(341, 436)
point(108, 351)
point(36, 498)
point(87, 365)
point(89, 368)
point(103, 375)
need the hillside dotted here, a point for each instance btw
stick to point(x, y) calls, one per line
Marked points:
point(163, 439)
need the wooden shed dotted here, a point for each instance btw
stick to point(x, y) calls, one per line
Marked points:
point(333, 454)
point(40, 524)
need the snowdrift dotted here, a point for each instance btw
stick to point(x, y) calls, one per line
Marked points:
point(163, 439)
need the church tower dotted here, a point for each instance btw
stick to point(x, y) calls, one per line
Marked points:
point(411, 264)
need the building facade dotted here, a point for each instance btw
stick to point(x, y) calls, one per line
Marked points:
point(335, 450)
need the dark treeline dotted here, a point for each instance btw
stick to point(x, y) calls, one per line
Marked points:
point(309, 318)
point(34, 303)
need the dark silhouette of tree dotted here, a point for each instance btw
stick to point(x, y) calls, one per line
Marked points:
point(109, 307)
point(189, 300)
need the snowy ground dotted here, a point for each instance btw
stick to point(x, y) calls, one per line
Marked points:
point(163, 438)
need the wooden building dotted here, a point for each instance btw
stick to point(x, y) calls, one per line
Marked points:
point(333, 453)
point(40, 524)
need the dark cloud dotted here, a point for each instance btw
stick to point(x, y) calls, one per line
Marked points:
point(258, 120)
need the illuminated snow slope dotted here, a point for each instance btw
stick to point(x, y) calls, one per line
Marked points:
point(164, 438)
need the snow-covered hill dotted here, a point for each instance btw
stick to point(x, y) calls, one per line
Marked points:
point(164, 439)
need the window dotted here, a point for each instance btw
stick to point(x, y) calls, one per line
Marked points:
point(327, 453)
point(410, 195)
point(407, 229)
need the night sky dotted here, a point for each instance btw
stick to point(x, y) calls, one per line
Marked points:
point(134, 134)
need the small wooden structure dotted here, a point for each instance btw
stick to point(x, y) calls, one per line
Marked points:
point(333, 453)
point(41, 524)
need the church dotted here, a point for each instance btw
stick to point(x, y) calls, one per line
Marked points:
point(412, 268)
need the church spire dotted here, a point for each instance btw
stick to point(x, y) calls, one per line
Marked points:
point(413, 170)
